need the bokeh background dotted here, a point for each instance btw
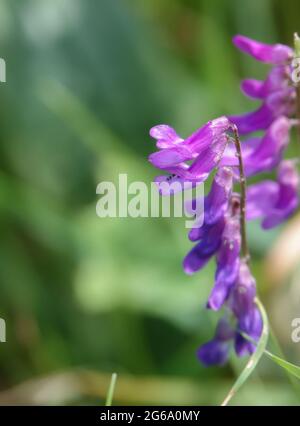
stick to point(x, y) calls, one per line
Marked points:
point(82, 296)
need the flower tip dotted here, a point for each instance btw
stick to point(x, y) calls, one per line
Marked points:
point(268, 53)
point(242, 42)
point(237, 39)
point(151, 158)
point(212, 306)
point(155, 131)
point(187, 268)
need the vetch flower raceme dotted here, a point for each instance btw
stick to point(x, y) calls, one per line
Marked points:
point(216, 147)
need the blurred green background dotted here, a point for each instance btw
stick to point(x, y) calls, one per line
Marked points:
point(83, 296)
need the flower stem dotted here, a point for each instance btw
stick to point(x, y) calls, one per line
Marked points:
point(297, 84)
point(237, 142)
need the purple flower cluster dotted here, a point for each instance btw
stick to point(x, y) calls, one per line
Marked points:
point(210, 148)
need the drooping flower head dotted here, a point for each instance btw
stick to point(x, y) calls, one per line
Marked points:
point(190, 161)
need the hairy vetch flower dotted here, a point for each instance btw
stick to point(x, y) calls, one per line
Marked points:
point(192, 158)
point(262, 154)
point(277, 93)
point(274, 202)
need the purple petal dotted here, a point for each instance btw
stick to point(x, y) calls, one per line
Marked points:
point(269, 53)
point(170, 157)
point(281, 102)
point(243, 292)
point(214, 352)
point(272, 201)
point(248, 146)
point(288, 199)
point(207, 160)
point(253, 121)
point(198, 233)
point(250, 324)
point(253, 88)
point(277, 79)
point(216, 202)
point(261, 197)
point(205, 249)
point(165, 135)
point(227, 264)
point(269, 151)
point(207, 135)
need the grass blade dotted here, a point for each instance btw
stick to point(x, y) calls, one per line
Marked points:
point(111, 389)
point(291, 368)
point(254, 359)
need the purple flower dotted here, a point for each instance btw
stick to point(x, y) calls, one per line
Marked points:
point(278, 79)
point(280, 102)
point(193, 158)
point(210, 234)
point(205, 249)
point(262, 154)
point(228, 260)
point(251, 325)
point(272, 201)
point(269, 53)
point(216, 351)
point(215, 203)
point(243, 292)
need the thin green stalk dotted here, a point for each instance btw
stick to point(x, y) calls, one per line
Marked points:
point(297, 84)
point(111, 389)
point(245, 249)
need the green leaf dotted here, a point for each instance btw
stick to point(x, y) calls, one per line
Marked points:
point(291, 368)
point(254, 359)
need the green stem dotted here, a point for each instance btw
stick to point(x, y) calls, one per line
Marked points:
point(237, 142)
point(111, 389)
point(297, 85)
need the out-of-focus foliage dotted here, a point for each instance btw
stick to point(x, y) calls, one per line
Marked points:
point(85, 82)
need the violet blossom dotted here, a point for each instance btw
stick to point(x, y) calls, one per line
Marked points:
point(274, 202)
point(277, 93)
point(192, 158)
